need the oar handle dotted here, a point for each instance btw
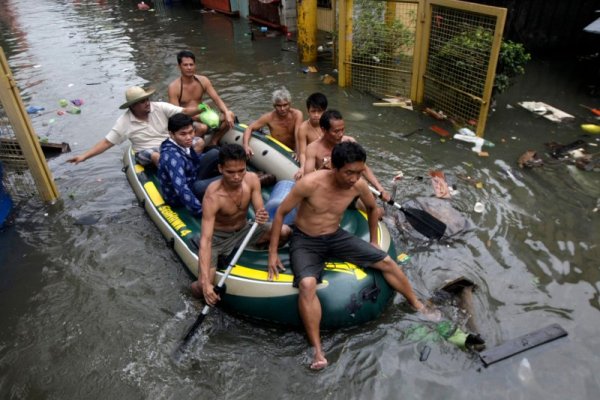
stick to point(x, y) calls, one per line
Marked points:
point(390, 201)
point(232, 263)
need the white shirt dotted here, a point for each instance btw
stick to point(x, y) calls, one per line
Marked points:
point(144, 134)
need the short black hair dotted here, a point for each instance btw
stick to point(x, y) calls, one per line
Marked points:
point(325, 121)
point(231, 151)
point(178, 121)
point(347, 152)
point(317, 100)
point(185, 53)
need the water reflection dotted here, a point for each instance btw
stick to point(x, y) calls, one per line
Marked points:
point(94, 311)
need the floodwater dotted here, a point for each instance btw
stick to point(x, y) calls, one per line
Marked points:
point(94, 311)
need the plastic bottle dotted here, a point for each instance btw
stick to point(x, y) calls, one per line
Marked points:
point(477, 141)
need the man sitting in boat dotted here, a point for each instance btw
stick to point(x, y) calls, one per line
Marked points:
point(309, 130)
point(322, 198)
point(188, 90)
point(318, 153)
point(184, 173)
point(224, 217)
point(283, 122)
point(144, 124)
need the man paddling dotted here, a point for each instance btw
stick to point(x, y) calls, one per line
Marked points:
point(188, 90)
point(322, 197)
point(224, 217)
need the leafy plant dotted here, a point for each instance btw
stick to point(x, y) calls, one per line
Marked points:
point(375, 38)
point(468, 52)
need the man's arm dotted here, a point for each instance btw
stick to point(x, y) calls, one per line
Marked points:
point(372, 179)
point(172, 92)
point(212, 93)
point(208, 225)
point(259, 123)
point(301, 139)
point(371, 207)
point(98, 148)
point(294, 197)
point(310, 160)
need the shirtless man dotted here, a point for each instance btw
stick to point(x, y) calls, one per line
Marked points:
point(224, 217)
point(322, 198)
point(318, 153)
point(283, 122)
point(309, 130)
point(188, 90)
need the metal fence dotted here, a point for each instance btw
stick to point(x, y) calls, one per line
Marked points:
point(382, 47)
point(439, 53)
point(463, 47)
point(17, 178)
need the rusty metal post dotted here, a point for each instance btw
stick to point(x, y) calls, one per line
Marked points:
point(307, 30)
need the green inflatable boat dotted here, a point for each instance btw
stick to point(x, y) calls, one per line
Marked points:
point(349, 294)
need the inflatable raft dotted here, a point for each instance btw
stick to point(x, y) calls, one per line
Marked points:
point(349, 294)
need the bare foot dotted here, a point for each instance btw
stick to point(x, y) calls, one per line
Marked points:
point(432, 314)
point(319, 364)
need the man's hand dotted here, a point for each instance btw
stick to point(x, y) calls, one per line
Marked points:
point(275, 266)
point(249, 152)
point(384, 195)
point(77, 159)
point(230, 119)
point(299, 174)
point(262, 216)
point(210, 296)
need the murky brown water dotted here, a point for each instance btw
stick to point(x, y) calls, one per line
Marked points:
point(94, 311)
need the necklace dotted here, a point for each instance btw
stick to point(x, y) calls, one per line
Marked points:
point(238, 204)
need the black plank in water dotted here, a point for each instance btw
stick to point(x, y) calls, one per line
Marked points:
point(522, 343)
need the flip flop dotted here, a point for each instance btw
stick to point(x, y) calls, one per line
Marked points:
point(318, 365)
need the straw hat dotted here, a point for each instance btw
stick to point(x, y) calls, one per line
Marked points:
point(134, 94)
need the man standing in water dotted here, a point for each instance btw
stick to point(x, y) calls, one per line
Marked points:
point(322, 198)
point(224, 217)
point(283, 122)
point(188, 90)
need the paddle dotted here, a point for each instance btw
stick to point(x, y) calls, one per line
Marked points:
point(423, 222)
point(190, 334)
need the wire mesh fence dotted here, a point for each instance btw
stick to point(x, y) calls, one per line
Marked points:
point(16, 178)
point(383, 41)
point(460, 47)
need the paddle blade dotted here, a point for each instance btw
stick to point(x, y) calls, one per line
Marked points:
point(425, 223)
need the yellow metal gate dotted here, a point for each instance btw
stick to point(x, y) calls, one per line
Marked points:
point(439, 53)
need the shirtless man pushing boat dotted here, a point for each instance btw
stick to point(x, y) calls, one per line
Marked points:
point(224, 217)
point(322, 198)
point(188, 90)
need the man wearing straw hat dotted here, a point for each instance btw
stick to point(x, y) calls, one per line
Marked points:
point(144, 124)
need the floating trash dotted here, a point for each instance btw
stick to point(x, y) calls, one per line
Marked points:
point(479, 207)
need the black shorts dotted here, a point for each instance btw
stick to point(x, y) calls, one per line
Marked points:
point(309, 253)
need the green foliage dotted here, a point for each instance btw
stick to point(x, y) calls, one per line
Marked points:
point(374, 38)
point(469, 51)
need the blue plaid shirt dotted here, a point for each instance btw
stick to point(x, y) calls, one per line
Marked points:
point(177, 172)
